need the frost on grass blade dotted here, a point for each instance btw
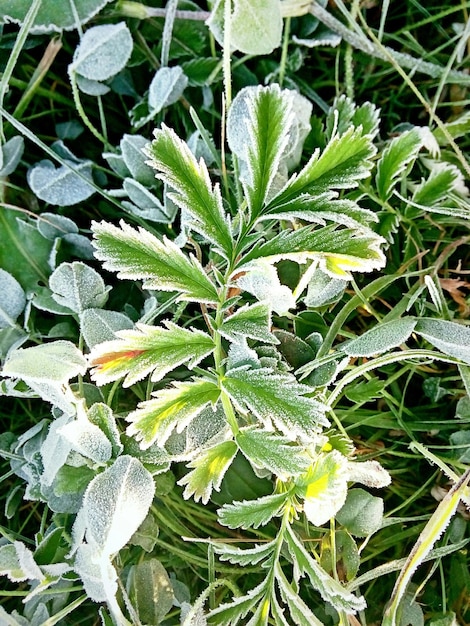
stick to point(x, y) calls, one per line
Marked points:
point(191, 187)
point(136, 254)
point(251, 514)
point(147, 349)
point(448, 337)
point(172, 408)
point(381, 338)
point(209, 470)
point(252, 321)
point(276, 399)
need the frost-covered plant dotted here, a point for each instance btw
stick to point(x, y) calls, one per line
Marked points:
point(229, 384)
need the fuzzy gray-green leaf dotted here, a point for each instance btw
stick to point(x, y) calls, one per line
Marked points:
point(448, 337)
point(381, 338)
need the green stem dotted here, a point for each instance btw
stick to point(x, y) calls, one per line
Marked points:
point(285, 48)
point(81, 110)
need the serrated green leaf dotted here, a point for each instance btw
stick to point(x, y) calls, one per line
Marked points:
point(245, 556)
point(324, 487)
point(147, 349)
point(265, 116)
point(136, 254)
point(172, 408)
point(381, 337)
point(252, 513)
point(208, 472)
point(448, 337)
point(252, 321)
point(192, 188)
point(338, 251)
point(443, 179)
point(330, 590)
point(277, 399)
point(299, 611)
point(344, 113)
point(394, 160)
point(229, 614)
point(321, 207)
point(267, 450)
point(343, 163)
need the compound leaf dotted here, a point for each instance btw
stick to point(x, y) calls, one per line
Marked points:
point(394, 160)
point(251, 514)
point(192, 188)
point(245, 556)
point(231, 613)
point(278, 399)
point(268, 450)
point(330, 590)
point(137, 254)
point(345, 161)
point(252, 321)
point(175, 407)
point(338, 251)
point(147, 349)
point(208, 472)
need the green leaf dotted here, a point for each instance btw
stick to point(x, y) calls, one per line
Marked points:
point(448, 337)
point(166, 88)
point(208, 472)
point(78, 287)
point(277, 399)
point(362, 513)
point(343, 163)
point(116, 503)
point(344, 113)
point(230, 613)
point(192, 188)
point(175, 407)
point(24, 252)
point(150, 591)
point(245, 556)
point(394, 160)
point(136, 254)
point(251, 514)
point(55, 362)
point(324, 487)
point(147, 349)
point(300, 613)
point(444, 179)
point(268, 450)
point(51, 15)
point(103, 51)
point(255, 25)
point(381, 338)
point(252, 321)
point(330, 590)
point(258, 130)
point(338, 251)
point(12, 300)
